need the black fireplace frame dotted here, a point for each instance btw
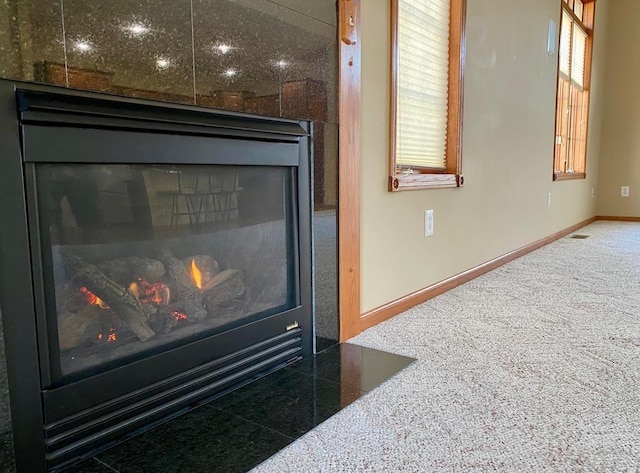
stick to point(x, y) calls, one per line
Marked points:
point(42, 414)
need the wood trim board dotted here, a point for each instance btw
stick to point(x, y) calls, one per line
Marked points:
point(350, 117)
point(613, 218)
point(393, 308)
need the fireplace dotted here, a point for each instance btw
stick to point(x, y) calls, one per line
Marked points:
point(142, 258)
point(158, 256)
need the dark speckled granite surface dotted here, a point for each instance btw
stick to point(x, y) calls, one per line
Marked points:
point(6, 453)
point(5, 415)
point(178, 50)
point(238, 431)
point(6, 440)
point(125, 41)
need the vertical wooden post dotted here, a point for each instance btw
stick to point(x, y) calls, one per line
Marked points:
point(349, 170)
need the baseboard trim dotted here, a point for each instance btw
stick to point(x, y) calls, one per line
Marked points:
point(393, 308)
point(613, 218)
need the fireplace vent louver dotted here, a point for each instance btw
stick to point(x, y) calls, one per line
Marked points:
point(86, 432)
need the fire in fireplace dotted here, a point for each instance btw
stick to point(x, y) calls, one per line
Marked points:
point(168, 261)
point(125, 285)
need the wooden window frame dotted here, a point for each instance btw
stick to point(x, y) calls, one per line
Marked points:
point(451, 176)
point(587, 23)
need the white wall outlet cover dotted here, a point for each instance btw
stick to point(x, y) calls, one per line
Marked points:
point(428, 223)
point(624, 191)
point(549, 200)
point(551, 38)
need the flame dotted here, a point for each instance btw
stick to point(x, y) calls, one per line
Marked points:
point(196, 275)
point(133, 287)
point(179, 315)
point(93, 299)
point(156, 293)
point(111, 337)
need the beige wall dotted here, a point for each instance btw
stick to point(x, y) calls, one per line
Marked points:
point(510, 85)
point(620, 151)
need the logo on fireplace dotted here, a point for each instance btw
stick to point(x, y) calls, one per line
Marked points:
point(292, 326)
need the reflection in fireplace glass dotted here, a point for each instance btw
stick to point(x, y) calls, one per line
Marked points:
point(145, 258)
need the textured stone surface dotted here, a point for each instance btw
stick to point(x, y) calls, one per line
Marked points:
point(31, 32)
point(5, 415)
point(326, 275)
point(6, 443)
point(7, 463)
point(239, 430)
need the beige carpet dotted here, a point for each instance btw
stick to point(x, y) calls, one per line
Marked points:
point(533, 367)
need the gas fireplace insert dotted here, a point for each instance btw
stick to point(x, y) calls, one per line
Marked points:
point(153, 256)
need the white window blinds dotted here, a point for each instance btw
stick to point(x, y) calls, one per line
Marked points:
point(579, 52)
point(565, 43)
point(422, 83)
point(573, 50)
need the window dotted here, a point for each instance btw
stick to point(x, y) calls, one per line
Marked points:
point(426, 96)
point(572, 100)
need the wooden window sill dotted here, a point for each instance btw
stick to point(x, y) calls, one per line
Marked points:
point(406, 182)
point(568, 176)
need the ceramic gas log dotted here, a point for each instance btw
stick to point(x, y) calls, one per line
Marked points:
point(112, 295)
point(143, 295)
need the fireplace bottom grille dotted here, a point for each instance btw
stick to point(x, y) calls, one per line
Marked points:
point(83, 434)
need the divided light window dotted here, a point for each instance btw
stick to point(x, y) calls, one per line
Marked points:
point(572, 100)
point(426, 97)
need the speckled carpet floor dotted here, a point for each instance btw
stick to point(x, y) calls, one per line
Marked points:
point(533, 367)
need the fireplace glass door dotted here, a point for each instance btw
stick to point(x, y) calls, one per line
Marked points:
point(140, 259)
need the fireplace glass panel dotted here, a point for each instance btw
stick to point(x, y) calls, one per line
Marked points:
point(140, 259)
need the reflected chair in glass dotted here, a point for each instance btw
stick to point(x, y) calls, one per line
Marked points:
point(220, 201)
point(185, 200)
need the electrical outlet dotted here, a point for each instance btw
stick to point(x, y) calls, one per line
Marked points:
point(428, 223)
point(549, 200)
point(593, 192)
point(624, 191)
